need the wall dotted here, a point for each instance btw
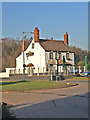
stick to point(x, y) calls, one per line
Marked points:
point(60, 69)
point(38, 59)
point(62, 54)
point(4, 75)
point(10, 70)
point(72, 61)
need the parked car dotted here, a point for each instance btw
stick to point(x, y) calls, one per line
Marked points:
point(87, 73)
point(76, 71)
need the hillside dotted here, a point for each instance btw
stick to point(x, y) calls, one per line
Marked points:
point(11, 49)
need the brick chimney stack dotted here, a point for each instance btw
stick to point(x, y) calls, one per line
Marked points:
point(51, 38)
point(22, 46)
point(66, 38)
point(36, 35)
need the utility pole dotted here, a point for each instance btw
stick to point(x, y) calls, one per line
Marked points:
point(23, 60)
point(57, 66)
point(24, 56)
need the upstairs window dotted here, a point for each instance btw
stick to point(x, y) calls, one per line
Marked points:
point(67, 55)
point(32, 45)
point(27, 57)
point(57, 55)
point(51, 55)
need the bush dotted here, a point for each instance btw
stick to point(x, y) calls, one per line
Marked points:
point(6, 114)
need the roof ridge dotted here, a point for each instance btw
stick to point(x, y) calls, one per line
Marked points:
point(51, 40)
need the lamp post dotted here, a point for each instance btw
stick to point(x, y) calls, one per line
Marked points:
point(24, 56)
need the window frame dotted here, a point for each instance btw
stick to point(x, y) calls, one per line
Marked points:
point(33, 46)
point(51, 55)
point(59, 55)
point(67, 55)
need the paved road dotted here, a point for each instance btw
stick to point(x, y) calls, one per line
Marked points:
point(56, 103)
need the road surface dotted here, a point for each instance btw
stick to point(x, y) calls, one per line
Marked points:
point(71, 102)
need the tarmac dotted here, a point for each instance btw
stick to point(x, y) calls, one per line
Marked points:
point(71, 102)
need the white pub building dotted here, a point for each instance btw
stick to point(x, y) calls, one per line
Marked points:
point(44, 53)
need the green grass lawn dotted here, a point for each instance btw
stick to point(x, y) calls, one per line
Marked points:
point(79, 78)
point(32, 85)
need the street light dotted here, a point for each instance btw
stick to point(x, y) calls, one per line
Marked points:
point(24, 56)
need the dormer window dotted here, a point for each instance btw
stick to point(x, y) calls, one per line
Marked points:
point(32, 45)
point(51, 55)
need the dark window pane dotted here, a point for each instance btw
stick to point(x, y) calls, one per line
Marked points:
point(67, 55)
point(32, 45)
point(58, 55)
point(51, 55)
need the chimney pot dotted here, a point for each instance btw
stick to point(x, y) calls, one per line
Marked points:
point(51, 38)
point(66, 38)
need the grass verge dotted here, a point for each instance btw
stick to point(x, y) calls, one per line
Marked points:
point(33, 85)
point(79, 78)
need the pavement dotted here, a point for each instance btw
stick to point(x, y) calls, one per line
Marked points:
point(71, 102)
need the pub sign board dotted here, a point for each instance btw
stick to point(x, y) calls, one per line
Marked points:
point(51, 62)
point(29, 53)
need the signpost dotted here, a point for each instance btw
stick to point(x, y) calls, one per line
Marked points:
point(64, 66)
point(57, 57)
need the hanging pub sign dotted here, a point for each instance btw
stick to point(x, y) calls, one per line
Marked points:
point(29, 53)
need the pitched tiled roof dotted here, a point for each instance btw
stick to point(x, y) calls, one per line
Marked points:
point(55, 45)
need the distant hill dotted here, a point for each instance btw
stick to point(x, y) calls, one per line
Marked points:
point(11, 48)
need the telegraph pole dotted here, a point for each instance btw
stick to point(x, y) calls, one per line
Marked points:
point(24, 56)
point(23, 60)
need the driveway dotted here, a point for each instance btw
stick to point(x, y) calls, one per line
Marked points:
point(69, 102)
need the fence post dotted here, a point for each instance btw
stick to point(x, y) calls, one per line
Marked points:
point(67, 70)
point(43, 70)
point(79, 69)
point(84, 69)
point(73, 70)
point(38, 72)
point(14, 72)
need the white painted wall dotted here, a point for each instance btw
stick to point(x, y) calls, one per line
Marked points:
point(10, 70)
point(71, 56)
point(4, 75)
point(60, 69)
point(38, 59)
